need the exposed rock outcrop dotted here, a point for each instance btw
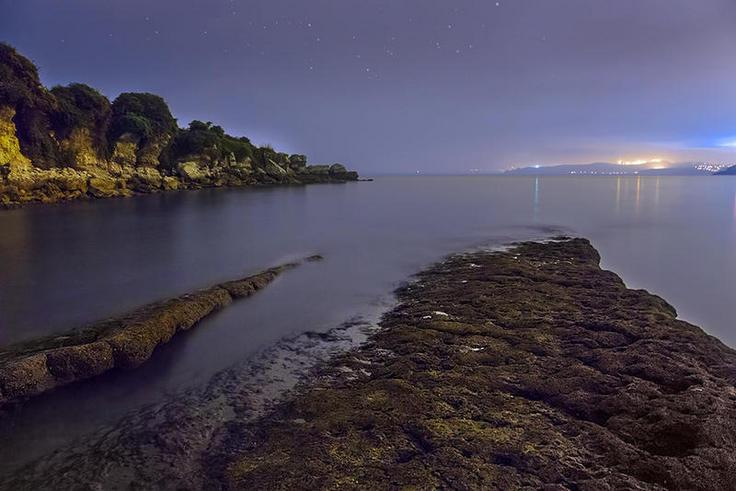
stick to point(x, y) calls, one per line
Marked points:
point(527, 369)
point(36, 366)
point(10, 154)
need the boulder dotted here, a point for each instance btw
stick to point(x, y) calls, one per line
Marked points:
point(193, 173)
point(145, 180)
point(274, 170)
point(337, 169)
point(170, 183)
point(102, 186)
point(297, 161)
point(320, 170)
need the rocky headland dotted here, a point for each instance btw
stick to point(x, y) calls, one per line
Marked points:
point(71, 142)
point(528, 368)
point(33, 367)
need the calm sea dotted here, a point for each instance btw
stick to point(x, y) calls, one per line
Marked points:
point(69, 264)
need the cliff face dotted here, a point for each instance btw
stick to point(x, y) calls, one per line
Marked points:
point(72, 142)
point(9, 144)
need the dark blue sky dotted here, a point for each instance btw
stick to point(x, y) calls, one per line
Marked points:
point(405, 85)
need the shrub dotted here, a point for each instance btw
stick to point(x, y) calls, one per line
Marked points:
point(144, 115)
point(209, 140)
point(20, 88)
point(81, 106)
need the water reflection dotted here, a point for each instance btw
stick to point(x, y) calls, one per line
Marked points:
point(638, 193)
point(618, 194)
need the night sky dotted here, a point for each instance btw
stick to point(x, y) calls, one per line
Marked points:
point(407, 85)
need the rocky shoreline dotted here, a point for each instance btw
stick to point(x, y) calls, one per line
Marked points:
point(525, 369)
point(529, 368)
point(71, 142)
point(33, 185)
point(33, 367)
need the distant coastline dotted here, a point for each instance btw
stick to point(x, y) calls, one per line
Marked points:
point(71, 142)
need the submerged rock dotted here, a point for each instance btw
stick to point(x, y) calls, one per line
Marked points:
point(33, 367)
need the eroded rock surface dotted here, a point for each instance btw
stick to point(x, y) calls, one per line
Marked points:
point(523, 369)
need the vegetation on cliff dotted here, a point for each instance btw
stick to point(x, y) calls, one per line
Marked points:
point(209, 140)
point(93, 148)
point(145, 116)
point(80, 107)
point(21, 89)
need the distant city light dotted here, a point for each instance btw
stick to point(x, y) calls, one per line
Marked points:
point(640, 162)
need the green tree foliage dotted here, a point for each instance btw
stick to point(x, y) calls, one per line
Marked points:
point(20, 88)
point(81, 106)
point(144, 115)
point(209, 140)
point(44, 117)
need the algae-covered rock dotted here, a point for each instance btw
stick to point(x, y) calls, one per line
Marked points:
point(526, 369)
point(25, 377)
point(36, 366)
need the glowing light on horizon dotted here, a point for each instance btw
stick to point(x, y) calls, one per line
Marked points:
point(642, 162)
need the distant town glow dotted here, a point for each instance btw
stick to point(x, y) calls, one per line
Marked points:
point(642, 162)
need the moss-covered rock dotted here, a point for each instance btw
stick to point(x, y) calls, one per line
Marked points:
point(526, 369)
point(39, 365)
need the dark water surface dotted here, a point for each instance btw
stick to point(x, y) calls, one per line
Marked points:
point(65, 265)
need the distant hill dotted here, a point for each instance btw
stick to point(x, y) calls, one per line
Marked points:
point(655, 168)
point(729, 171)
